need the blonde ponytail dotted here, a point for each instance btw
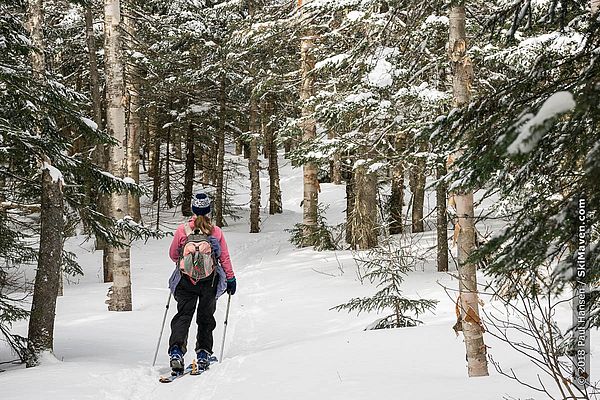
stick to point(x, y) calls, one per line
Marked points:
point(203, 224)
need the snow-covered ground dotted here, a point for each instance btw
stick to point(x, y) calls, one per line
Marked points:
point(283, 342)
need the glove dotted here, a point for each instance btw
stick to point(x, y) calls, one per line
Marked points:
point(231, 286)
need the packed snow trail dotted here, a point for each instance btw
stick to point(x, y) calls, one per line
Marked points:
point(283, 342)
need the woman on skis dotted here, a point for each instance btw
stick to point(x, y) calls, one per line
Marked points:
point(193, 293)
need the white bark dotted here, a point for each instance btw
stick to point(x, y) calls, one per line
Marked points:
point(465, 223)
point(118, 258)
point(595, 6)
point(307, 90)
point(134, 124)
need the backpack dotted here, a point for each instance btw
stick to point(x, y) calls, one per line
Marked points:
point(197, 258)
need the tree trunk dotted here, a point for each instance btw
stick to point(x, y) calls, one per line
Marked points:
point(134, 123)
point(220, 167)
point(287, 147)
point(239, 146)
point(595, 6)
point(307, 90)
point(43, 308)
point(336, 164)
point(267, 135)
point(417, 186)
point(152, 142)
point(469, 299)
point(99, 155)
point(94, 76)
point(169, 196)
point(188, 186)
point(206, 168)
point(155, 160)
point(275, 203)
point(253, 166)
point(177, 150)
point(213, 155)
point(119, 295)
point(442, 219)
point(41, 321)
point(365, 229)
point(396, 220)
point(349, 178)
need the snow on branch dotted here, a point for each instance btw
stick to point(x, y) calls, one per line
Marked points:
point(56, 175)
point(529, 133)
point(9, 205)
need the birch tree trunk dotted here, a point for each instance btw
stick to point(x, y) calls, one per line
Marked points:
point(134, 123)
point(442, 219)
point(595, 6)
point(119, 295)
point(219, 193)
point(46, 286)
point(253, 167)
point(188, 185)
point(307, 90)
point(469, 298)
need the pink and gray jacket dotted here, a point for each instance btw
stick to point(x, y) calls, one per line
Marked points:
point(224, 268)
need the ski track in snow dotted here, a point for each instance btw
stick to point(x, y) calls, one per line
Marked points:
point(283, 342)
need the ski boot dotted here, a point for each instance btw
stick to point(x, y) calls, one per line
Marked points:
point(176, 360)
point(204, 359)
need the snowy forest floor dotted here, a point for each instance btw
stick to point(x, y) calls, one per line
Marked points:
point(283, 342)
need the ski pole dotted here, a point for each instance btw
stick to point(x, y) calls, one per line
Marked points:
point(162, 328)
point(225, 330)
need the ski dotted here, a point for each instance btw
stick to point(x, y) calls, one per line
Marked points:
point(191, 369)
point(176, 375)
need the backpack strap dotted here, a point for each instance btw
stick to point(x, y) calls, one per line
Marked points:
point(188, 232)
point(188, 229)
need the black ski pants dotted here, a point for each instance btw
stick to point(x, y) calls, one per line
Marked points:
point(188, 295)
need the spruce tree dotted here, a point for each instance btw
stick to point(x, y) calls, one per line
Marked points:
point(386, 266)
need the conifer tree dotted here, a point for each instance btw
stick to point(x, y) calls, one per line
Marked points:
point(41, 321)
point(387, 265)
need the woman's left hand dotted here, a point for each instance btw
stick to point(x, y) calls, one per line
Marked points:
point(231, 286)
